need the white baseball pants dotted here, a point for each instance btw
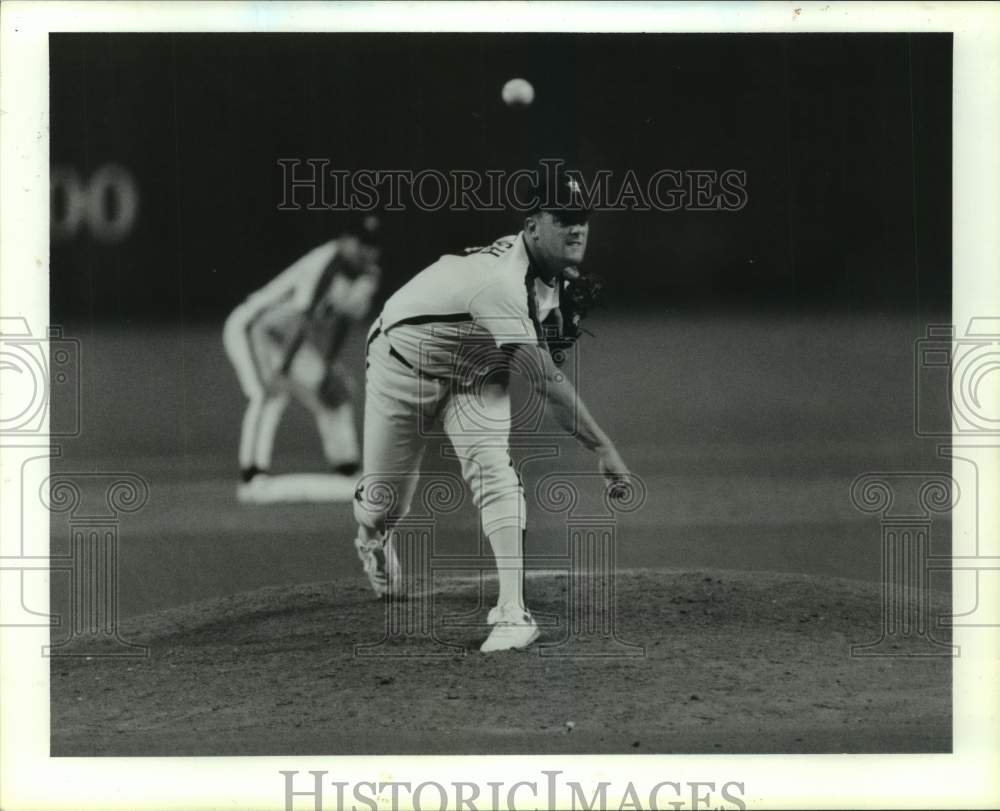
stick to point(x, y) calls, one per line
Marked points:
point(401, 408)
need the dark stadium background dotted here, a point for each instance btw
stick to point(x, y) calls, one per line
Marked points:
point(750, 364)
point(845, 140)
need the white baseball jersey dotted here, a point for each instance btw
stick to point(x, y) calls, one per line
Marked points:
point(295, 289)
point(489, 296)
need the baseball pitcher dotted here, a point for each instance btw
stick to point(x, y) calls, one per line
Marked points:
point(441, 353)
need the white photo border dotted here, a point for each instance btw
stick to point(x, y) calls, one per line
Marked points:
point(29, 779)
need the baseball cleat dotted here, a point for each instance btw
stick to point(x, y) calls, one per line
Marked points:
point(254, 491)
point(380, 564)
point(348, 469)
point(513, 628)
point(495, 615)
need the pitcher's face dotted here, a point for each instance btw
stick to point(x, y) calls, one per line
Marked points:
point(559, 238)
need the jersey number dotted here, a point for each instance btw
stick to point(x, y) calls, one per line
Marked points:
point(498, 248)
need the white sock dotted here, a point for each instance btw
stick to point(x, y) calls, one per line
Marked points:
point(506, 543)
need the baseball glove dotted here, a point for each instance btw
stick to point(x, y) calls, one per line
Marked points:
point(577, 299)
point(336, 387)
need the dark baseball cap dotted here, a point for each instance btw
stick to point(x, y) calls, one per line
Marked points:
point(560, 193)
point(366, 227)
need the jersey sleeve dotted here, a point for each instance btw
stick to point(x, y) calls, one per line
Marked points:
point(502, 309)
point(294, 285)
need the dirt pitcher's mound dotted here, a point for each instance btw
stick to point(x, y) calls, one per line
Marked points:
point(710, 661)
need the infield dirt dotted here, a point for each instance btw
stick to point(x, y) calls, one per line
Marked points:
point(715, 661)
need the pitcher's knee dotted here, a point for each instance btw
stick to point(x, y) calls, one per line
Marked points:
point(368, 515)
point(378, 502)
point(496, 490)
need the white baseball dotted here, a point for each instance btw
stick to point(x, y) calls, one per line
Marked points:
point(517, 93)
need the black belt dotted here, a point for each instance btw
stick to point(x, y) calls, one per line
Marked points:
point(400, 358)
point(396, 355)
